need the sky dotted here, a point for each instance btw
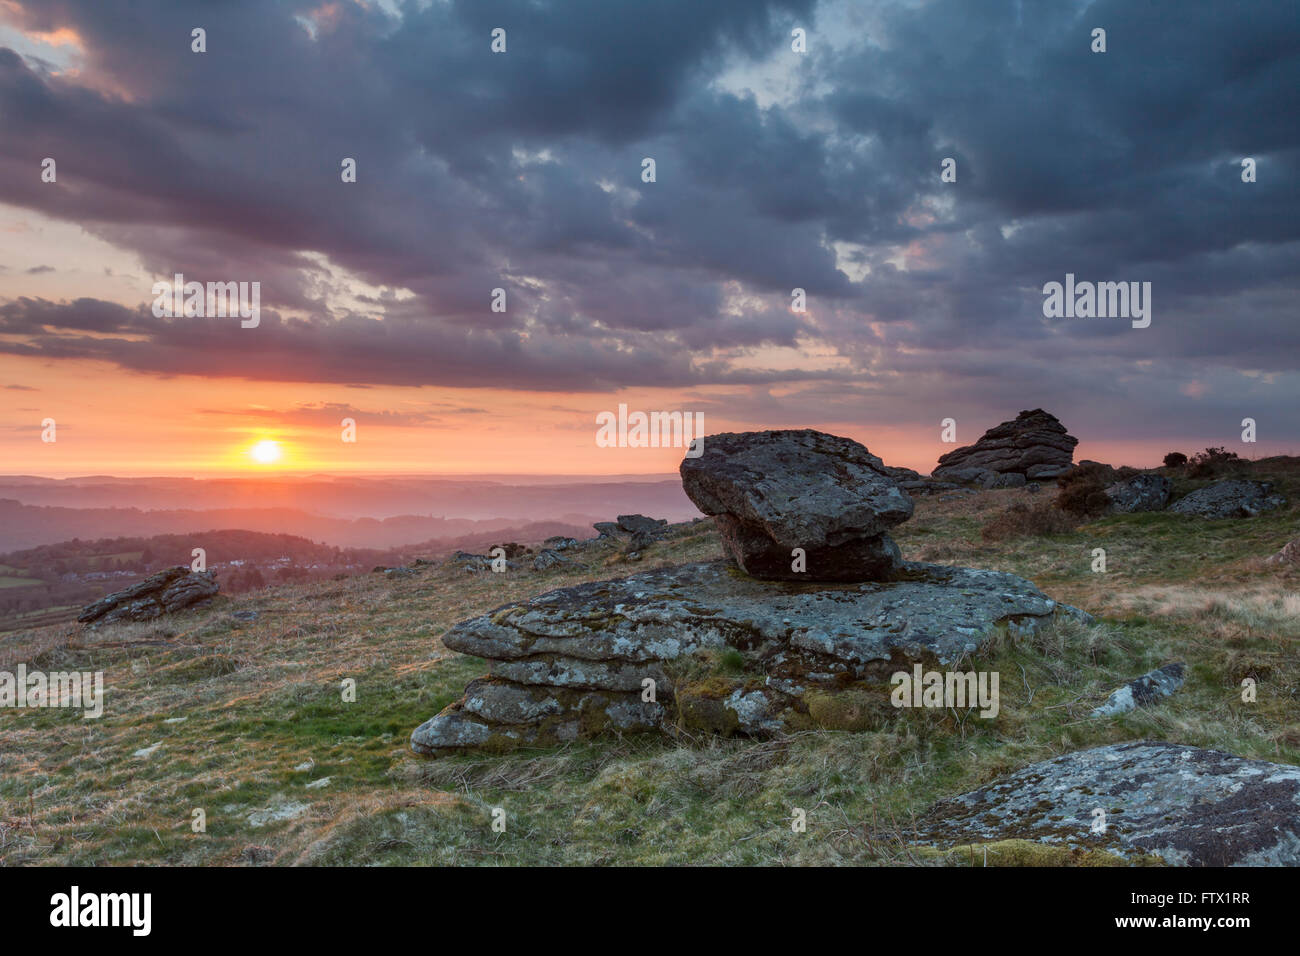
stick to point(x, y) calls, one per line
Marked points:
point(774, 169)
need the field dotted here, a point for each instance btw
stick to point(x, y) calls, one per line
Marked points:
point(246, 722)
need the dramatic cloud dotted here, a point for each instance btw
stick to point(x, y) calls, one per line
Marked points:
point(775, 170)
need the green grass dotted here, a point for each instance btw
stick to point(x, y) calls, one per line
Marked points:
point(12, 582)
point(258, 717)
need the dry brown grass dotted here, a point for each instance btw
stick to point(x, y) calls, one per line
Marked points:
point(237, 710)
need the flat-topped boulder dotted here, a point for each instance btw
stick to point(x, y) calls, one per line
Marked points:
point(592, 648)
point(1185, 805)
point(772, 492)
point(1034, 445)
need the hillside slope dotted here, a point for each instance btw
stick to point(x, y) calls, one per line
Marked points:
point(245, 719)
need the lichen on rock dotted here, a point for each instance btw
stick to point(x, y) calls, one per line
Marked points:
point(1185, 805)
point(800, 654)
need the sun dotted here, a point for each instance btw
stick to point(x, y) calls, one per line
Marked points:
point(265, 452)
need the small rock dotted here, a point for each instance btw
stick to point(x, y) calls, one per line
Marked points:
point(1147, 689)
point(548, 558)
point(1144, 492)
point(1290, 554)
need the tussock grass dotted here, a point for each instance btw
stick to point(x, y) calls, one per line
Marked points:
point(239, 718)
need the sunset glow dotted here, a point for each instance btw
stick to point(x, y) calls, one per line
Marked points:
point(377, 301)
point(265, 452)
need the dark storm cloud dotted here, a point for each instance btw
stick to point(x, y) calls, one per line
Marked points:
point(522, 171)
point(400, 350)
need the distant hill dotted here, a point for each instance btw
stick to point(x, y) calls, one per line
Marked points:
point(346, 512)
point(521, 499)
point(51, 582)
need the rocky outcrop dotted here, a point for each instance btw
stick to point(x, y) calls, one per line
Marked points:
point(914, 483)
point(1144, 492)
point(1147, 689)
point(766, 643)
point(706, 648)
point(633, 525)
point(1184, 805)
point(549, 558)
point(771, 492)
point(640, 524)
point(163, 593)
point(1034, 446)
point(1232, 498)
point(473, 563)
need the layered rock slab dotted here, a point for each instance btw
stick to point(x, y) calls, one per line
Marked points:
point(1186, 805)
point(166, 592)
point(774, 491)
point(582, 655)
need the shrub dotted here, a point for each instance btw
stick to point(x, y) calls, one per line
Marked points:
point(1212, 462)
point(1022, 520)
point(1216, 456)
point(1083, 499)
point(1175, 459)
point(1083, 488)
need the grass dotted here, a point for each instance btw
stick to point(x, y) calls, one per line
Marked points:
point(244, 720)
